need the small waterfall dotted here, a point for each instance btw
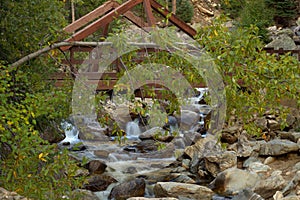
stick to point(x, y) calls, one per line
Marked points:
point(71, 133)
point(132, 129)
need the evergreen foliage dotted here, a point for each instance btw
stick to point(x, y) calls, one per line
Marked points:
point(284, 11)
point(184, 10)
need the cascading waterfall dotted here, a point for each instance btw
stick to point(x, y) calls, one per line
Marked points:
point(71, 133)
point(132, 129)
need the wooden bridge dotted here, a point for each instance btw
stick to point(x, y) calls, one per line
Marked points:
point(99, 19)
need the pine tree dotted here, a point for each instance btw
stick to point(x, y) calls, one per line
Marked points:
point(284, 11)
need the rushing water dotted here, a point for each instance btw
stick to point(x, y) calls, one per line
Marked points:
point(132, 129)
point(118, 160)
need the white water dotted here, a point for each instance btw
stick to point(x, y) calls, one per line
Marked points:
point(132, 129)
point(71, 133)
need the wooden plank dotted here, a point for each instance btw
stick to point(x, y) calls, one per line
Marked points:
point(109, 17)
point(107, 6)
point(89, 75)
point(175, 20)
point(149, 14)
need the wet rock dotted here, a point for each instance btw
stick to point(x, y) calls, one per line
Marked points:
point(101, 154)
point(182, 190)
point(233, 180)
point(134, 188)
point(152, 133)
point(268, 187)
point(48, 129)
point(99, 182)
point(188, 119)
point(96, 167)
point(277, 147)
point(147, 146)
point(160, 175)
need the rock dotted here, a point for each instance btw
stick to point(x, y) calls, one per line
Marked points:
point(246, 148)
point(247, 194)
point(268, 187)
point(152, 133)
point(269, 160)
point(273, 124)
point(182, 190)
point(99, 182)
point(147, 146)
point(196, 151)
point(259, 168)
point(277, 147)
point(293, 136)
point(292, 184)
point(283, 41)
point(83, 195)
point(7, 195)
point(230, 135)
point(144, 198)
point(191, 137)
point(262, 123)
point(217, 160)
point(134, 188)
point(102, 154)
point(160, 175)
point(96, 167)
point(188, 119)
point(233, 180)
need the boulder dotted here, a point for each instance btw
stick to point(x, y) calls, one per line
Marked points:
point(230, 135)
point(188, 119)
point(277, 147)
point(268, 187)
point(247, 194)
point(134, 188)
point(155, 132)
point(291, 135)
point(217, 160)
point(99, 182)
point(283, 41)
point(182, 190)
point(233, 180)
point(96, 167)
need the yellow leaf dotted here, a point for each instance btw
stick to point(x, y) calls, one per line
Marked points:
point(41, 155)
point(15, 174)
point(166, 120)
point(29, 175)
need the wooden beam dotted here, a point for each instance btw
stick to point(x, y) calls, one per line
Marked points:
point(149, 14)
point(175, 20)
point(107, 6)
point(109, 17)
point(138, 21)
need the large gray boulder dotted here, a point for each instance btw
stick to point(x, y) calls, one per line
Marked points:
point(233, 180)
point(182, 190)
point(277, 147)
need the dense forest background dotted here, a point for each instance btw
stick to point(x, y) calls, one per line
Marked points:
point(30, 105)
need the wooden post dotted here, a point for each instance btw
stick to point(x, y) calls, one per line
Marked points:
point(149, 14)
point(174, 7)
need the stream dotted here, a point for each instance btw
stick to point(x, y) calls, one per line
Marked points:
point(125, 161)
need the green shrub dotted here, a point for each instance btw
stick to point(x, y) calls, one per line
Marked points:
point(184, 10)
point(31, 166)
point(256, 12)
